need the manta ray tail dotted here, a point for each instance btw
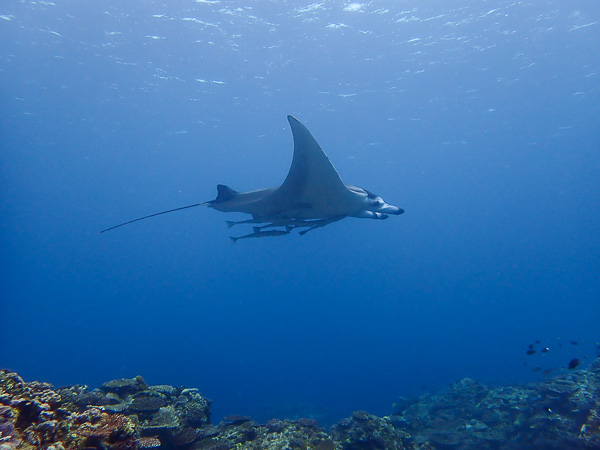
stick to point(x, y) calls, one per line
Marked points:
point(152, 215)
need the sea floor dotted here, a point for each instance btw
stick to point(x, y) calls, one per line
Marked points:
point(562, 412)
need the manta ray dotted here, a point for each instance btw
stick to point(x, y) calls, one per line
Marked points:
point(312, 196)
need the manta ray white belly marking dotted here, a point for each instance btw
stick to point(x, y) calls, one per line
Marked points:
point(312, 196)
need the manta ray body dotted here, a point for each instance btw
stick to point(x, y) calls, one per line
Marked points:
point(312, 196)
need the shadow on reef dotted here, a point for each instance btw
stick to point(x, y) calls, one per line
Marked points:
point(559, 413)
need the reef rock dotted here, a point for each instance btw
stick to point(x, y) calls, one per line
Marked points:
point(365, 431)
point(125, 386)
point(558, 413)
point(34, 415)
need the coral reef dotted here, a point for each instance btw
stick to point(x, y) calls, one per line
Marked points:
point(558, 413)
point(33, 415)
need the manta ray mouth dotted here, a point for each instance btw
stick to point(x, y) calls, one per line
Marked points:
point(389, 209)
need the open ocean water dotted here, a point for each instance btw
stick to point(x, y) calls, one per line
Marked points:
point(480, 118)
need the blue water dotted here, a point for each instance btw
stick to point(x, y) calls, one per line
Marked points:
point(480, 119)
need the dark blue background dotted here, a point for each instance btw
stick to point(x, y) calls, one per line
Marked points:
point(479, 118)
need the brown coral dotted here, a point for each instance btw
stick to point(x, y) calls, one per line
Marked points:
point(147, 401)
point(125, 386)
point(111, 429)
point(149, 442)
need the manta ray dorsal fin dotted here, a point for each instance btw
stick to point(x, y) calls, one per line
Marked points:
point(312, 179)
point(224, 193)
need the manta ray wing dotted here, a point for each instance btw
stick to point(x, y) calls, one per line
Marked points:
point(312, 189)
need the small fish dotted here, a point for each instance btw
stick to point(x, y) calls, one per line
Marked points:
point(258, 234)
point(537, 342)
point(545, 350)
point(231, 223)
point(530, 345)
point(531, 352)
point(574, 343)
point(573, 363)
